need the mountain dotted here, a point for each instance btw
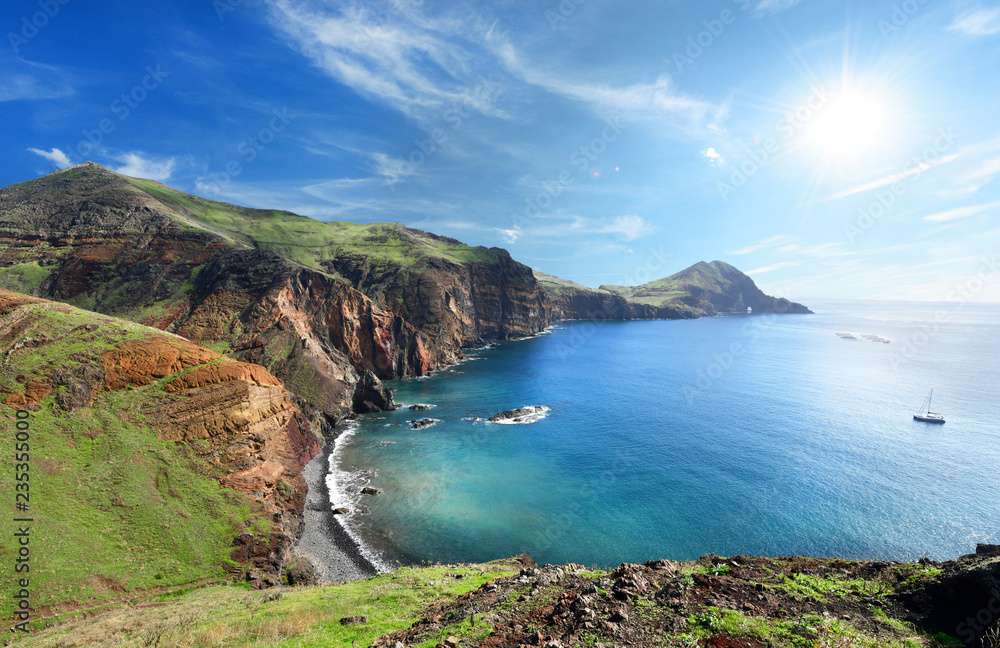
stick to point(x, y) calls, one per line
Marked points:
point(320, 304)
point(706, 289)
point(330, 308)
point(155, 462)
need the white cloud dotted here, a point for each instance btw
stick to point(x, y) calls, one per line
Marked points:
point(712, 155)
point(652, 99)
point(774, 6)
point(511, 234)
point(961, 212)
point(773, 267)
point(885, 181)
point(55, 156)
point(136, 165)
point(978, 22)
point(397, 56)
point(391, 169)
point(771, 241)
point(630, 227)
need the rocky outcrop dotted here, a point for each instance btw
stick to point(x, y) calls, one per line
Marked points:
point(370, 395)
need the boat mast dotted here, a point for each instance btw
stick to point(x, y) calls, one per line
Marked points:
point(930, 397)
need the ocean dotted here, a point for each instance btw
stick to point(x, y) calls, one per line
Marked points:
point(673, 439)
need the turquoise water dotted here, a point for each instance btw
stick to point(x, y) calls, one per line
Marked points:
point(766, 435)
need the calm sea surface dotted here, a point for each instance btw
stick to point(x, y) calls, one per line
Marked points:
point(765, 435)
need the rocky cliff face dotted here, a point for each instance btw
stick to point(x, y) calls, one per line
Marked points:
point(96, 240)
point(223, 423)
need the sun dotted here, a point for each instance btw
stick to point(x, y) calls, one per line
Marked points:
point(848, 125)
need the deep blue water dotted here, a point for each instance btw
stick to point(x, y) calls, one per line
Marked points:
point(765, 435)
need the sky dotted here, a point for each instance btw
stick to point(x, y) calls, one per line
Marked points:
point(831, 149)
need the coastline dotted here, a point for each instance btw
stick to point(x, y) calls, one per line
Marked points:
point(324, 540)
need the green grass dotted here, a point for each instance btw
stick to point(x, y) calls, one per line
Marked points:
point(298, 617)
point(117, 509)
point(309, 242)
point(24, 277)
point(820, 589)
point(807, 631)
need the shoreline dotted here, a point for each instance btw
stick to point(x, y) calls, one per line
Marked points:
point(324, 540)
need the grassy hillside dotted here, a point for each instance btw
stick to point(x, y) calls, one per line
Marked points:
point(117, 508)
point(705, 277)
point(740, 602)
point(310, 242)
point(301, 617)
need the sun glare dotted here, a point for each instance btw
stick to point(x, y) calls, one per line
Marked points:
point(850, 124)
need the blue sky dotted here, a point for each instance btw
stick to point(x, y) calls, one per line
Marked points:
point(830, 149)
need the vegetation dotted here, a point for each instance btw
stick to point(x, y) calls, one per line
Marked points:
point(806, 631)
point(24, 277)
point(118, 510)
point(301, 617)
point(699, 278)
point(310, 242)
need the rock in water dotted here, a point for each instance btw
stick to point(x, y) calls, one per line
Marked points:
point(423, 423)
point(368, 490)
point(420, 407)
point(371, 395)
point(521, 415)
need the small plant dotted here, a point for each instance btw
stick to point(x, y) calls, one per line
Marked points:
point(991, 638)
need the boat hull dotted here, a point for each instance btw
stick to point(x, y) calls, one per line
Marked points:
point(928, 419)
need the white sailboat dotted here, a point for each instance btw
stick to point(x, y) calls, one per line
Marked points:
point(926, 415)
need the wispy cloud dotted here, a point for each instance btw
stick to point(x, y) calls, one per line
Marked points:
point(392, 169)
point(390, 53)
point(774, 6)
point(652, 99)
point(140, 166)
point(771, 241)
point(629, 227)
point(773, 267)
point(984, 21)
point(961, 212)
point(28, 87)
point(712, 155)
point(888, 180)
point(55, 156)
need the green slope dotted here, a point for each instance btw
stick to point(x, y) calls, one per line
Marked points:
point(117, 509)
point(310, 242)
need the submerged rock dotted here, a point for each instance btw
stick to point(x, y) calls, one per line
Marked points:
point(371, 395)
point(420, 424)
point(521, 415)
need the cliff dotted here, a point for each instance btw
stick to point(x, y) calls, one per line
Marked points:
point(317, 303)
point(157, 462)
point(320, 304)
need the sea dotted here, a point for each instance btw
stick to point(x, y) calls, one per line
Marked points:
point(762, 434)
